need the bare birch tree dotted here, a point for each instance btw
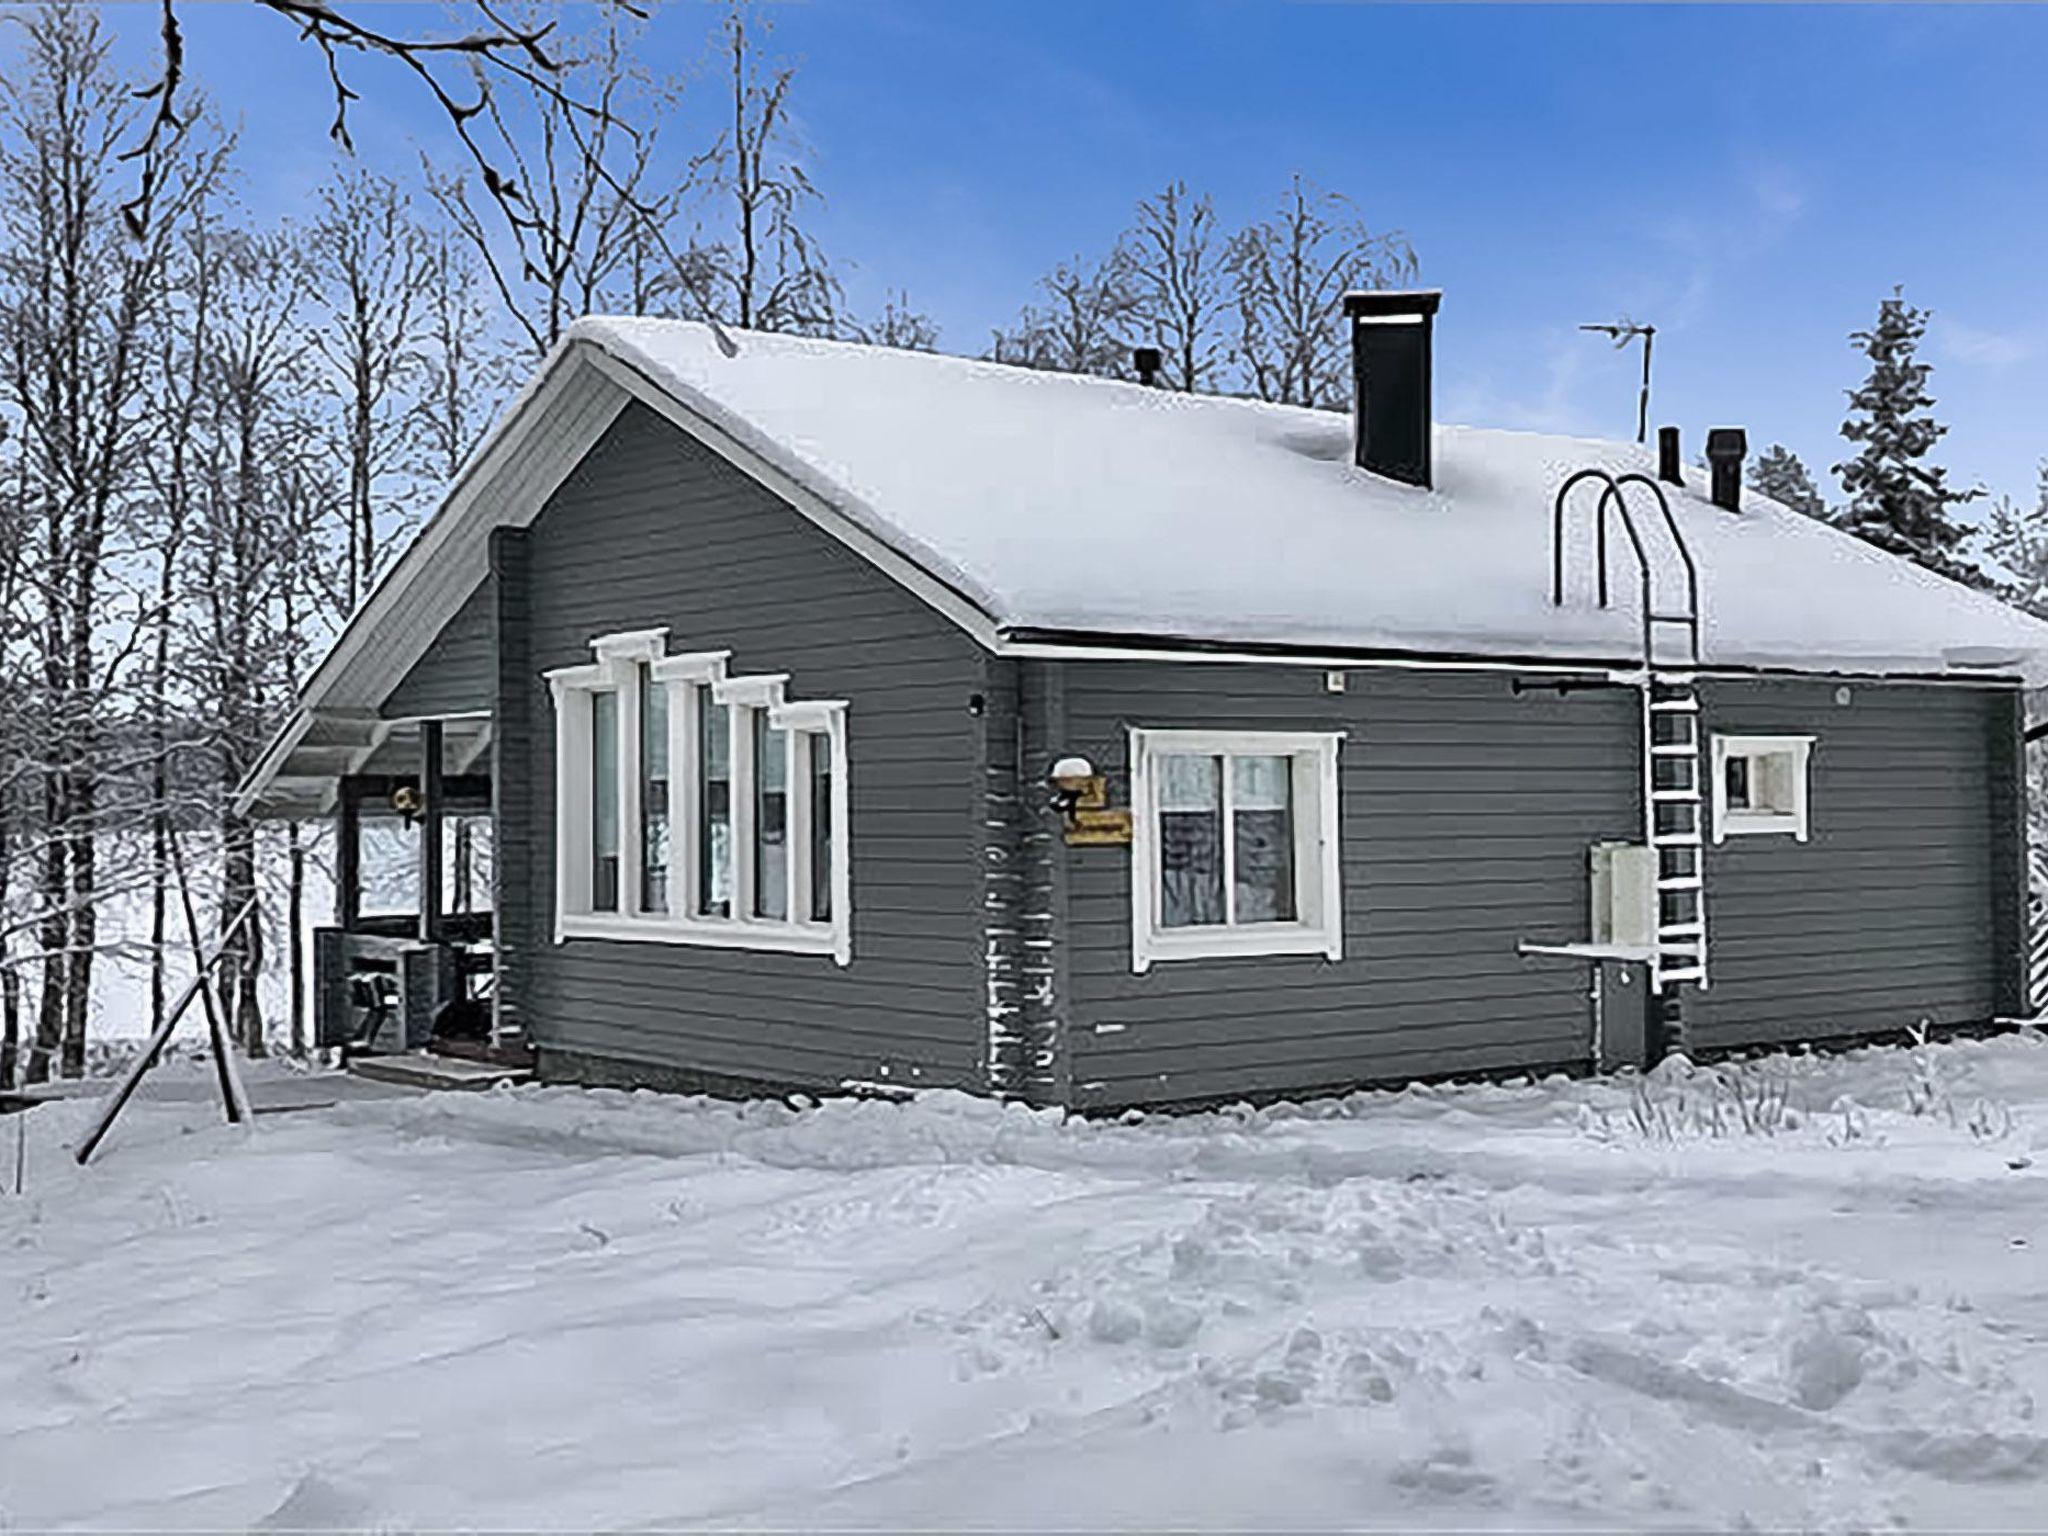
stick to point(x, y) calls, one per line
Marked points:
point(601, 204)
point(76, 294)
point(1181, 294)
point(763, 268)
point(899, 326)
point(374, 262)
point(1290, 273)
point(1083, 325)
point(257, 441)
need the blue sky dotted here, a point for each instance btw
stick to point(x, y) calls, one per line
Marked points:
point(1751, 179)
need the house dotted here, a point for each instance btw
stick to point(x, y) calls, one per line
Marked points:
point(841, 717)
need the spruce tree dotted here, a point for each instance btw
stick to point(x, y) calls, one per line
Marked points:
point(1780, 475)
point(1897, 501)
point(2016, 538)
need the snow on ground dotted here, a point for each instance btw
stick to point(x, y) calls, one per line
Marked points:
point(1810, 1293)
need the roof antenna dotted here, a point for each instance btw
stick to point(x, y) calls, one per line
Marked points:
point(1625, 331)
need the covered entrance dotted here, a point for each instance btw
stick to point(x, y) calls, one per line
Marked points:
point(407, 968)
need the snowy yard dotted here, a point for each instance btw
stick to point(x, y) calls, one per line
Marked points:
point(1556, 1305)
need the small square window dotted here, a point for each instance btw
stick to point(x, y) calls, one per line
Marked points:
point(1760, 786)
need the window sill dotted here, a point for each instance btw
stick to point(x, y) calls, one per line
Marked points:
point(1234, 943)
point(786, 938)
point(1759, 824)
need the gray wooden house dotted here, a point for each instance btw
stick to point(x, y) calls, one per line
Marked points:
point(845, 718)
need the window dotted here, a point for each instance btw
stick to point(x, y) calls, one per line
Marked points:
point(771, 818)
point(1760, 786)
point(1234, 845)
point(654, 746)
point(714, 805)
point(697, 808)
point(604, 801)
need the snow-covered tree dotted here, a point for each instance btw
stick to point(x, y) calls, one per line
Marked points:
point(2016, 538)
point(1781, 475)
point(1898, 501)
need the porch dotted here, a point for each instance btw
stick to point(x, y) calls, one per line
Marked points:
point(405, 976)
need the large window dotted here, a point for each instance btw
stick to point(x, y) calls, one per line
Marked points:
point(697, 808)
point(1234, 848)
point(1760, 786)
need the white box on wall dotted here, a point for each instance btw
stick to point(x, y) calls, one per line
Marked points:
point(1624, 889)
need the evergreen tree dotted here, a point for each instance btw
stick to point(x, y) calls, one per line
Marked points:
point(1780, 475)
point(1896, 501)
point(2017, 539)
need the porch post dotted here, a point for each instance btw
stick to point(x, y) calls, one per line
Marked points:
point(348, 855)
point(430, 831)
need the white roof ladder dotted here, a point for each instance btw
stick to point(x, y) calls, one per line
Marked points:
point(1674, 804)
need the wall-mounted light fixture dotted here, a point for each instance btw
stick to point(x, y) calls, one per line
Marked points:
point(408, 802)
point(1081, 796)
point(1071, 778)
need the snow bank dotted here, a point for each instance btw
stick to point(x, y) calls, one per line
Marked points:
point(1060, 502)
point(1505, 1307)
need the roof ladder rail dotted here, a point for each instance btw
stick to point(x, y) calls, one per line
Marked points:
point(1674, 805)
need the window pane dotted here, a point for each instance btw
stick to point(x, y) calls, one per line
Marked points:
point(653, 793)
point(389, 866)
point(1771, 782)
point(1190, 841)
point(1262, 805)
point(604, 802)
point(466, 863)
point(1737, 774)
point(820, 752)
point(771, 819)
point(714, 801)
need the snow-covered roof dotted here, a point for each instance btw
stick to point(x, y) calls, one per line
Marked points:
point(1054, 502)
point(1040, 508)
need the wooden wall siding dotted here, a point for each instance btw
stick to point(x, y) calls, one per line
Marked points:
point(521, 908)
point(653, 529)
point(2012, 904)
point(1887, 916)
point(458, 671)
point(1466, 811)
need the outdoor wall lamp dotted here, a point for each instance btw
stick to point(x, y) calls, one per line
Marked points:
point(1081, 796)
point(407, 801)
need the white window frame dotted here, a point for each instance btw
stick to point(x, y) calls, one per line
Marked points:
point(1318, 929)
point(616, 668)
point(1741, 821)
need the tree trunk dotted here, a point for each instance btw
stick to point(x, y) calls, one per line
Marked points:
point(243, 965)
point(295, 936)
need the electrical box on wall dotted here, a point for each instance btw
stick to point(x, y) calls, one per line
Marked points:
point(1624, 889)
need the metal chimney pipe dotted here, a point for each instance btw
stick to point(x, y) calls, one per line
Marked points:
point(1392, 334)
point(1668, 468)
point(1726, 449)
point(1146, 360)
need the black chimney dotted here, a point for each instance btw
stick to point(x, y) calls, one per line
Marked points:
point(1726, 449)
point(1146, 360)
point(1667, 457)
point(1390, 346)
